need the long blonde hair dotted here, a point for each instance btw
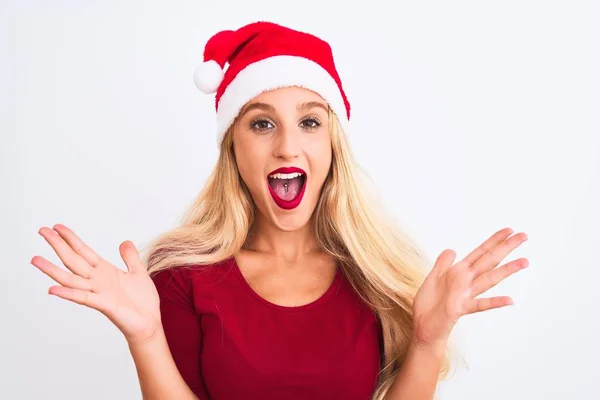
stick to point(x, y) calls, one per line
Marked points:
point(382, 263)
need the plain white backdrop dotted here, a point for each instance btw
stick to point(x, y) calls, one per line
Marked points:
point(468, 117)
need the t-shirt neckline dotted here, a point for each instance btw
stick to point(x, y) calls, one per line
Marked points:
point(319, 301)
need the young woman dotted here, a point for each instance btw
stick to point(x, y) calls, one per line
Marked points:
point(285, 280)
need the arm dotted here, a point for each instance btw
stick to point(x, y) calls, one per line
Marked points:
point(173, 368)
point(168, 364)
point(157, 372)
point(417, 378)
point(450, 291)
point(155, 314)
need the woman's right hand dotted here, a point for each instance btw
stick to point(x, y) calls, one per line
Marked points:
point(129, 299)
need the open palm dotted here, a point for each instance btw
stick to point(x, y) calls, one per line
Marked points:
point(449, 290)
point(129, 299)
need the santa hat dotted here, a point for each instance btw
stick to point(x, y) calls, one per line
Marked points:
point(263, 56)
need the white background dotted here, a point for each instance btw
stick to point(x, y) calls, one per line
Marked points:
point(469, 117)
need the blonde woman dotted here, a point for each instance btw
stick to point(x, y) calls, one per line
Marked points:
point(285, 280)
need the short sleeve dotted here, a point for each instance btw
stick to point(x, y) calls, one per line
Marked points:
point(181, 325)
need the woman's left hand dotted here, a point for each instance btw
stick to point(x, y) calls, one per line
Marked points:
point(449, 291)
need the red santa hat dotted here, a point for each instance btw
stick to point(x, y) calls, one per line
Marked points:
point(263, 56)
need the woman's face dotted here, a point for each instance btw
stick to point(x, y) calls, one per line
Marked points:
point(287, 127)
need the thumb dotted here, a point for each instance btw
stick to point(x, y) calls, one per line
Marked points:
point(130, 255)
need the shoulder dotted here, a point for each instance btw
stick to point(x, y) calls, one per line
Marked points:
point(183, 278)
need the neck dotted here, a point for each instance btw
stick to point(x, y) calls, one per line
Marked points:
point(287, 247)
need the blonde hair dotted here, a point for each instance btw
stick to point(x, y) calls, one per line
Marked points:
point(382, 263)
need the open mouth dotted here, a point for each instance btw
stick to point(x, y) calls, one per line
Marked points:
point(287, 186)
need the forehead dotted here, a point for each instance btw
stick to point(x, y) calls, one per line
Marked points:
point(288, 97)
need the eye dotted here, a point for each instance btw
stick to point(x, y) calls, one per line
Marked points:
point(261, 124)
point(310, 123)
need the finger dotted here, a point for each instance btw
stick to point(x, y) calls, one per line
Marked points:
point(488, 303)
point(444, 260)
point(73, 261)
point(487, 246)
point(60, 275)
point(130, 255)
point(491, 278)
point(492, 258)
point(83, 297)
point(78, 245)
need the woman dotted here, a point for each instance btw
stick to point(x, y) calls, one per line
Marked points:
point(284, 280)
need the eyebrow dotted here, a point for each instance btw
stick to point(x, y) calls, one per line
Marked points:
point(311, 104)
point(257, 106)
point(267, 107)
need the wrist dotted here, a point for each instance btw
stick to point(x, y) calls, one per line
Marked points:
point(436, 347)
point(157, 335)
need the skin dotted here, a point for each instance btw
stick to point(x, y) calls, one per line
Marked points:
point(281, 260)
point(280, 128)
point(449, 292)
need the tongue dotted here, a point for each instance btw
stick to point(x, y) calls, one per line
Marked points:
point(291, 192)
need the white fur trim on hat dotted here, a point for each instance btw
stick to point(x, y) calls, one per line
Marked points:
point(272, 73)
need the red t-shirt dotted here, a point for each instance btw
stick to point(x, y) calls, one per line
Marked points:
point(229, 343)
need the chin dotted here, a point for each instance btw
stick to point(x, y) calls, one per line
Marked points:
point(286, 220)
point(288, 224)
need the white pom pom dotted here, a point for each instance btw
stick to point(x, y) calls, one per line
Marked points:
point(208, 76)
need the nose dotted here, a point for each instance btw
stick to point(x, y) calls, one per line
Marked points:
point(287, 143)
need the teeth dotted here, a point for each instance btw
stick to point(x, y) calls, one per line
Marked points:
point(285, 176)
